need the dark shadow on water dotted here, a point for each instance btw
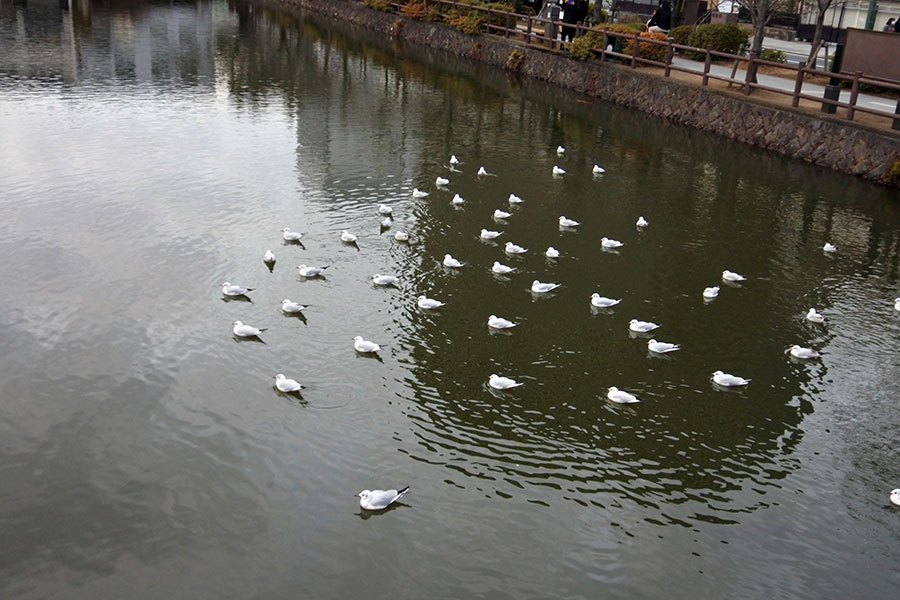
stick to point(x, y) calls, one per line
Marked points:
point(252, 339)
point(368, 514)
point(237, 299)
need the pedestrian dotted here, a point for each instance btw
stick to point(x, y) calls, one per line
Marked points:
point(889, 26)
point(897, 26)
point(574, 11)
point(661, 21)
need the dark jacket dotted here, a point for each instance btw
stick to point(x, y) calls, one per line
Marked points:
point(574, 10)
point(662, 18)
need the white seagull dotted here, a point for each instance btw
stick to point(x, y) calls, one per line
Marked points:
point(552, 252)
point(541, 288)
point(379, 499)
point(829, 247)
point(482, 172)
point(287, 385)
point(814, 316)
point(732, 276)
point(364, 346)
point(728, 380)
point(621, 397)
point(292, 308)
point(454, 160)
point(234, 290)
point(642, 222)
point(441, 181)
point(401, 236)
point(290, 236)
point(567, 222)
point(417, 193)
point(384, 209)
point(451, 262)
point(457, 200)
point(514, 249)
point(602, 301)
point(501, 269)
point(557, 171)
point(662, 347)
point(241, 330)
point(598, 170)
point(269, 257)
point(609, 244)
point(503, 383)
point(513, 199)
point(895, 496)
point(428, 303)
point(641, 326)
point(386, 223)
point(798, 351)
point(500, 323)
point(487, 234)
point(501, 214)
point(896, 303)
point(347, 237)
point(711, 292)
point(379, 279)
point(311, 271)
point(560, 150)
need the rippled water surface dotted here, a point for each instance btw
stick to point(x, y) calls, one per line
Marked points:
point(149, 152)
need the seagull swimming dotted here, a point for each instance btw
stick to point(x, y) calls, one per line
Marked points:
point(454, 160)
point(500, 323)
point(451, 262)
point(598, 170)
point(513, 199)
point(457, 200)
point(814, 316)
point(514, 249)
point(290, 307)
point(602, 301)
point(487, 234)
point(347, 237)
point(379, 279)
point(269, 257)
point(428, 303)
point(641, 326)
point(417, 193)
point(241, 330)
point(728, 380)
point(558, 171)
point(642, 222)
point(401, 236)
point(290, 236)
point(503, 383)
point(234, 290)
point(731, 276)
point(662, 347)
point(711, 292)
point(560, 150)
point(286, 385)
point(567, 222)
point(798, 351)
point(620, 396)
point(386, 223)
point(501, 269)
point(482, 172)
point(311, 271)
point(895, 496)
point(441, 181)
point(541, 288)
point(379, 499)
point(364, 346)
point(384, 209)
point(608, 243)
point(501, 214)
point(552, 252)
point(829, 247)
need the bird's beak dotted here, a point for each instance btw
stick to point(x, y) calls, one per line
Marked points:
point(357, 495)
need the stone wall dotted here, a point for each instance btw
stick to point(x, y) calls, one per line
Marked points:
point(826, 141)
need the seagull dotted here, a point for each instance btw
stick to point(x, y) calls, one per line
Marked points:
point(487, 234)
point(557, 171)
point(896, 303)
point(428, 303)
point(454, 160)
point(513, 199)
point(501, 214)
point(378, 279)
point(608, 243)
point(567, 222)
point(514, 249)
point(401, 236)
point(814, 316)
point(728, 380)
point(384, 209)
point(364, 346)
point(829, 247)
point(242, 330)
point(731, 276)
point(501, 269)
point(711, 292)
point(269, 257)
point(620, 397)
point(348, 237)
point(503, 383)
point(598, 170)
point(662, 347)
point(417, 193)
point(895, 496)
point(602, 301)
point(441, 181)
point(386, 224)
point(552, 252)
point(482, 172)
point(292, 307)
point(560, 150)
point(311, 271)
point(500, 323)
point(451, 262)
point(457, 199)
point(642, 222)
point(290, 236)
point(379, 499)
point(541, 288)
point(801, 352)
point(234, 290)
point(641, 326)
point(286, 385)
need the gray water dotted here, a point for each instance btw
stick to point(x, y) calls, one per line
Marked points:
point(149, 152)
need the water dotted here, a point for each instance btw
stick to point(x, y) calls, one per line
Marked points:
point(150, 152)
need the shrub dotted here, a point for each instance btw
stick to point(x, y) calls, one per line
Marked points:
point(414, 10)
point(773, 55)
point(649, 51)
point(681, 34)
point(581, 46)
point(469, 22)
point(721, 37)
point(382, 5)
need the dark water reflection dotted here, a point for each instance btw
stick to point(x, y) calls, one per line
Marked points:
point(151, 151)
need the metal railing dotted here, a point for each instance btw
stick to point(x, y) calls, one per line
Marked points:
point(543, 34)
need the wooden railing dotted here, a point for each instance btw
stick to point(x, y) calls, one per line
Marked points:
point(543, 34)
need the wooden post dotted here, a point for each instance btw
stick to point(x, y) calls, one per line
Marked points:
point(854, 92)
point(669, 53)
point(751, 73)
point(706, 63)
point(605, 42)
point(528, 31)
point(634, 50)
point(798, 84)
point(506, 33)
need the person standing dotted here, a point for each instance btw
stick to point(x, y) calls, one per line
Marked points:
point(889, 26)
point(661, 21)
point(574, 11)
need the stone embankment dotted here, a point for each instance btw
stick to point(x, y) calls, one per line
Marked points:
point(844, 146)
